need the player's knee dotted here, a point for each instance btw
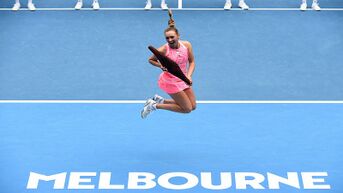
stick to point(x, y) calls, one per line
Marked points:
point(194, 107)
point(187, 109)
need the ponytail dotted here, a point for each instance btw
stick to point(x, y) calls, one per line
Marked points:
point(171, 23)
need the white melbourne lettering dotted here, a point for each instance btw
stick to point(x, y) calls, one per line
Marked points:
point(147, 180)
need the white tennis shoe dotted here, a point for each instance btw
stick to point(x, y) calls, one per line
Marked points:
point(243, 5)
point(16, 7)
point(79, 5)
point(164, 6)
point(158, 99)
point(96, 5)
point(148, 5)
point(148, 108)
point(228, 5)
point(303, 7)
point(31, 7)
point(315, 6)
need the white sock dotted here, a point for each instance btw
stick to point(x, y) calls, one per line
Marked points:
point(315, 1)
point(154, 106)
point(228, 1)
point(148, 1)
point(304, 1)
point(29, 1)
point(163, 2)
point(17, 1)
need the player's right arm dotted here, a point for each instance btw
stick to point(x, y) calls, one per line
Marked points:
point(153, 60)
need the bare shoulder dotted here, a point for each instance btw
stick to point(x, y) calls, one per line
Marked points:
point(162, 49)
point(187, 44)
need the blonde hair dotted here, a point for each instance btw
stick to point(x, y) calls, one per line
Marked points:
point(171, 23)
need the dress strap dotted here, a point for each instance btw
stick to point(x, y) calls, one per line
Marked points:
point(183, 45)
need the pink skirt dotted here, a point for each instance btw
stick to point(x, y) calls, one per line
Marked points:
point(170, 83)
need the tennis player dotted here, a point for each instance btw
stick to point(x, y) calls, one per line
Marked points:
point(182, 95)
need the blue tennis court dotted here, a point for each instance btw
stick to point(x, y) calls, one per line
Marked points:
point(277, 138)
point(268, 83)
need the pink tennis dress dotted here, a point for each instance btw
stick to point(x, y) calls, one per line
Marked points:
point(168, 82)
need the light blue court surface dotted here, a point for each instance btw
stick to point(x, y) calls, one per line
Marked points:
point(102, 55)
point(277, 138)
point(257, 55)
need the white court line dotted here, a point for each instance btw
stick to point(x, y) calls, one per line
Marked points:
point(199, 101)
point(176, 9)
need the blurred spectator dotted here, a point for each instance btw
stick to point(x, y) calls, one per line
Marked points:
point(315, 5)
point(30, 5)
point(148, 5)
point(241, 4)
point(95, 5)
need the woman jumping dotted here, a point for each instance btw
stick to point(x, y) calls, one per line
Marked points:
point(183, 98)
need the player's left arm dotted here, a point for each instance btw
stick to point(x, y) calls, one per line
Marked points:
point(190, 60)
